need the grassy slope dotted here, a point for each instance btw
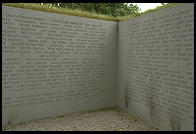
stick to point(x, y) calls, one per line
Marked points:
point(148, 11)
point(44, 8)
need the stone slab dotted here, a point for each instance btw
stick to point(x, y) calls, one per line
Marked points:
point(55, 64)
point(156, 67)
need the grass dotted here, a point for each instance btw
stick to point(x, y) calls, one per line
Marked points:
point(104, 109)
point(148, 11)
point(45, 8)
point(60, 116)
point(90, 111)
point(159, 7)
point(4, 128)
point(139, 119)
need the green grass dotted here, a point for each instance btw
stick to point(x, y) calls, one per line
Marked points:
point(139, 119)
point(104, 109)
point(4, 128)
point(45, 8)
point(148, 11)
point(159, 7)
point(91, 111)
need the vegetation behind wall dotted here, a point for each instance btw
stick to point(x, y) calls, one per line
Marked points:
point(84, 13)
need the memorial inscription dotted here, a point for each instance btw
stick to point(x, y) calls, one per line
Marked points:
point(159, 60)
point(56, 64)
point(56, 60)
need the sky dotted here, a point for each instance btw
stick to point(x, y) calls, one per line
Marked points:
point(146, 6)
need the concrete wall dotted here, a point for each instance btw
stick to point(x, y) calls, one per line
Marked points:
point(56, 64)
point(156, 67)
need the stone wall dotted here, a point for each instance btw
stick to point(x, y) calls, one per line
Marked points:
point(156, 67)
point(56, 64)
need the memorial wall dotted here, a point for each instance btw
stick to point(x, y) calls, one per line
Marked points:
point(55, 64)
point(156, 67)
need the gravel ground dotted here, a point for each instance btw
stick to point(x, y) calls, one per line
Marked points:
point(105, 120)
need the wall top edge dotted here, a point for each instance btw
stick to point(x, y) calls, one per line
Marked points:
point(39, 11)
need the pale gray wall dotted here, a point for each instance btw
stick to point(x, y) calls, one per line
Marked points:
point(47, 75)
point(156, 67)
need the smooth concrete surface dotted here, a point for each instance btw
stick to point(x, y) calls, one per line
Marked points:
point(56, 64)
point(156, 67)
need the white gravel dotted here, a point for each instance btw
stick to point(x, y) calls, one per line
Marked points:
point(105, 120)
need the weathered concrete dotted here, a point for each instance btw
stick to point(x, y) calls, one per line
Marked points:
point(156, 67)
point(56, 64)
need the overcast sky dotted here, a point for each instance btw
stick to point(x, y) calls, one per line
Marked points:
point(146, 6)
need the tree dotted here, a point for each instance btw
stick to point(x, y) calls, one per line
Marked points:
point(112, 9)
point(163, 4)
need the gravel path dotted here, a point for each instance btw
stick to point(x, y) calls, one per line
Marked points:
point(106, 120)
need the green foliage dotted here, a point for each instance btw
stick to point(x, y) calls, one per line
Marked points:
point(103, 11)
point(164, 5)
point(60, 116)
point(110, 9)
point(53, 9)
